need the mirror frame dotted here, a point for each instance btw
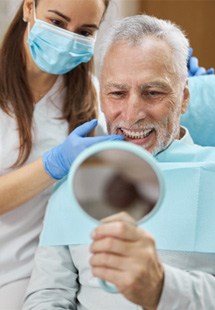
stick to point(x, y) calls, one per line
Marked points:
point(116, 145)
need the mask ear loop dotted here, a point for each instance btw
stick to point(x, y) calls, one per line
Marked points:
point(34, 8)
point(34, 14)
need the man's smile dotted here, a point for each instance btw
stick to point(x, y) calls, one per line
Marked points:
point(136, 133)
point(141, 137)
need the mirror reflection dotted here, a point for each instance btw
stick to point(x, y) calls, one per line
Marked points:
point(112, 181)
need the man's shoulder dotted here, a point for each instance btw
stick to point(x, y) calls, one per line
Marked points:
point(202, 153)
point(185, 152)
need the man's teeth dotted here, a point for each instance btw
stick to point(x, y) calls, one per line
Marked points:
point(136, 135)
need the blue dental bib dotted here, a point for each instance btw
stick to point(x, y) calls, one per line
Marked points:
point(185, 220)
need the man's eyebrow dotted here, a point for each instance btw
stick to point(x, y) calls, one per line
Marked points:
point(116, 85)
point(68, 19)
point(157, 84)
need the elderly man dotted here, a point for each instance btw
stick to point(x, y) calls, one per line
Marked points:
point(144, 90)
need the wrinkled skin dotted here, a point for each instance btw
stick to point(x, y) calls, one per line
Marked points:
point(142, 98)
point(125, 255)
point(141, 95)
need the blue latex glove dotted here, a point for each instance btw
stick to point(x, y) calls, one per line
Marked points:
point(193, 66)
point(58, 160)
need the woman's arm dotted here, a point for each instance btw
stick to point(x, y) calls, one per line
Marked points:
point(23, 184)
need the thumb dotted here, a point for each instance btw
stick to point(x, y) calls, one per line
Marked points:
point(85, 128)
point(193, 65)
point(190, 52)
point(210, 71)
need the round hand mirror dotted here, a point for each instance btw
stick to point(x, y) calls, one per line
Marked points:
point(112, 177)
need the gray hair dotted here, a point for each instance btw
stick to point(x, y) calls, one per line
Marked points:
point(134, 29)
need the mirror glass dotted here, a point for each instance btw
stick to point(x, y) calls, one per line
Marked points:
point(115, 180)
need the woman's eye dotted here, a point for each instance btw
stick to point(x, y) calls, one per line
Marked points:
point(86, 33)
point(57, 23)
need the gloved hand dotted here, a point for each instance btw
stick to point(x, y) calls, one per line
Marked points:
point(193, 66)
point(58, 160)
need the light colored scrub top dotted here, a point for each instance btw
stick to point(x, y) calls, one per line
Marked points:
point(20, 228)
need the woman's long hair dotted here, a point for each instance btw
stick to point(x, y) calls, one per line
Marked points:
point(16, 98)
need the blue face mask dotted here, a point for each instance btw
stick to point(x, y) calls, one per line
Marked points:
point(58, 51)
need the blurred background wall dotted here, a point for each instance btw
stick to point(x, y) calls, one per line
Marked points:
point(118, 8)
point(196, 17)
point(7, 10)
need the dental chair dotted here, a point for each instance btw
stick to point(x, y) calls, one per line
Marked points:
point(200, 116)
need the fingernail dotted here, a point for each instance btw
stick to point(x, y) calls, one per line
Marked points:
point(93, 120)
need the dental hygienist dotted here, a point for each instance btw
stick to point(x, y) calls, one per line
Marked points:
point(46, 92)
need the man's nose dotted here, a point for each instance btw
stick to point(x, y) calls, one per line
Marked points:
point(134, 109)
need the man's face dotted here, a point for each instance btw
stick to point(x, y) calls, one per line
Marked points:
point(140, 94)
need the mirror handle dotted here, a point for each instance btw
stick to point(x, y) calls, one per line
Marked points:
point(110, 288)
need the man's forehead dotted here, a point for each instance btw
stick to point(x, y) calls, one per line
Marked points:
point(124, 61)
point(161, 84)
point(153, 47)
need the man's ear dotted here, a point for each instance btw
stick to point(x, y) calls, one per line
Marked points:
point(186, 98)
point(28, 6)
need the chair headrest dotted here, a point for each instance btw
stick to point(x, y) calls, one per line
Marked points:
point(200, 116)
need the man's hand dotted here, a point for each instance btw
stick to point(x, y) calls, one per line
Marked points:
point(125, 255)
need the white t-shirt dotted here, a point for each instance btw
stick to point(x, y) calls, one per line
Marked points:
point(20, 228)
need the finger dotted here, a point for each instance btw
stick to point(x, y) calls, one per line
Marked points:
point(108, 260)
point(190, 52)
point(116, 263)
point(200, 71)
point(85, 128)
point(114, 276)
point(111, 245)
point(122, 216)
point(93, 140)
point(125, 248)
point(105, 138)
point(120, 229)
point(210, 71)
point(193, 65)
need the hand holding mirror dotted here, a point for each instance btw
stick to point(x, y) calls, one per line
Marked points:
point(112, 177)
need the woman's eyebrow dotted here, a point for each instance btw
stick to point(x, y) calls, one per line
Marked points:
point(68, 19)
point(90, 26)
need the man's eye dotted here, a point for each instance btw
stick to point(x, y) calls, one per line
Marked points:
point(152, 93)
point(117, 94)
